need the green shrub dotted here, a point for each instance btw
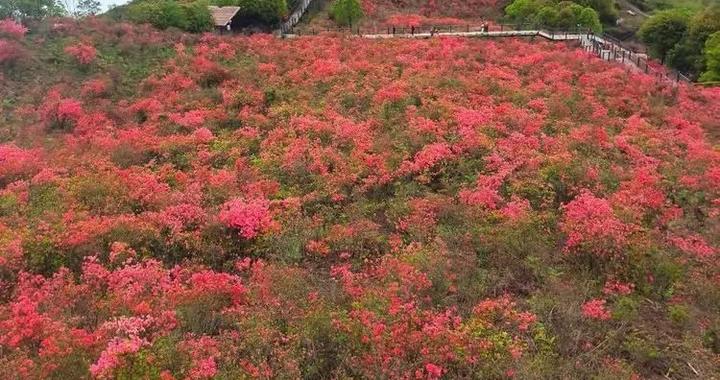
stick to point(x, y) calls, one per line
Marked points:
point(642, 351)
point(203, 316)
point(711, 340)
point(679, 314)
point(626, 309)
point(8, 204)
point(681, 38)
point(44, 198)
point(605, 9)
point(42, 256)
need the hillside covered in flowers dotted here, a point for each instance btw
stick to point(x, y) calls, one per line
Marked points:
point(179, 206)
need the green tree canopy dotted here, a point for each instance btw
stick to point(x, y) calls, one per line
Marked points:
point(712, 59)
point(605, 9)
point(192, 17)
point(30, 9)
point(270, 11)
point(589, 19)
point(687, 54)
point(663, 31)
point(521, 10)
point(551, 14)
point(346, 12)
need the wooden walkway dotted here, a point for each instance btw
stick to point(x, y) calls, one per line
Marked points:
point(603, 47)
point(295, 17)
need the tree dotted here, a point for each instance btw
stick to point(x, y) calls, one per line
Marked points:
point(345, 12)
point(192, 17)
point(590, 19)
point(80, 8)
point(548, 15)
point(29, 9)
point(712, 59)
point(523, 10)
point(687, 54)
point(604, 8)
point(197, 17)
point(663, 31)
point(565, 14)
point(270, 11)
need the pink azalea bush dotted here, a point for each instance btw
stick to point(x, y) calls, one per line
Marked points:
point(250, 218)
point(83, 53)
point(590, 223)
point(11, 33)
point(12, 29)
point(596, 309)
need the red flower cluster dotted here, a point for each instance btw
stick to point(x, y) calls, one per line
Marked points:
point(249, 217)
point(595, 309)
point(11, 33)
point(11, 28)
point(590, 224)
point(83, 53)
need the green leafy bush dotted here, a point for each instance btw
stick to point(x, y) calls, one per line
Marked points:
point(562, 15)
point(664, 30)
point(192, 17)
point(681, 39)
point(712, 59)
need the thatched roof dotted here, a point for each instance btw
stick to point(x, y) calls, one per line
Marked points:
point(223, 15)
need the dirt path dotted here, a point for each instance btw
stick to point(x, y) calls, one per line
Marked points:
point(625, 5)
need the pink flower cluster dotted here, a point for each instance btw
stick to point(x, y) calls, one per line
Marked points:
point(596, 309)
point(694, 245)
point(83, 53)
point(249, 217)
point(11, 28)
point(590, 224)
point(16, 161)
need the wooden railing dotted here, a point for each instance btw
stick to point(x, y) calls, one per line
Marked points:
point(601, 45)
point(288, 25)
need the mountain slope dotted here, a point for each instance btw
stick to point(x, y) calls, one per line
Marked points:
point(193, 207)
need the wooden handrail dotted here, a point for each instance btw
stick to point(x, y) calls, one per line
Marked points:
point(606, 47)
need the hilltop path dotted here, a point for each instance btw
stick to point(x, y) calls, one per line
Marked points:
point(603, 47)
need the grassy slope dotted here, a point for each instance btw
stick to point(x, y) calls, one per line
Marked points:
point(127, 55)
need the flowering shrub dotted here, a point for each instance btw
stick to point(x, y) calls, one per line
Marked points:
point(250, 218)
point(83, 53)
point(16, 162)
point(596, 309)
point(10, 34)
point(9, 51)
point(590, 224)
point(11, 28)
